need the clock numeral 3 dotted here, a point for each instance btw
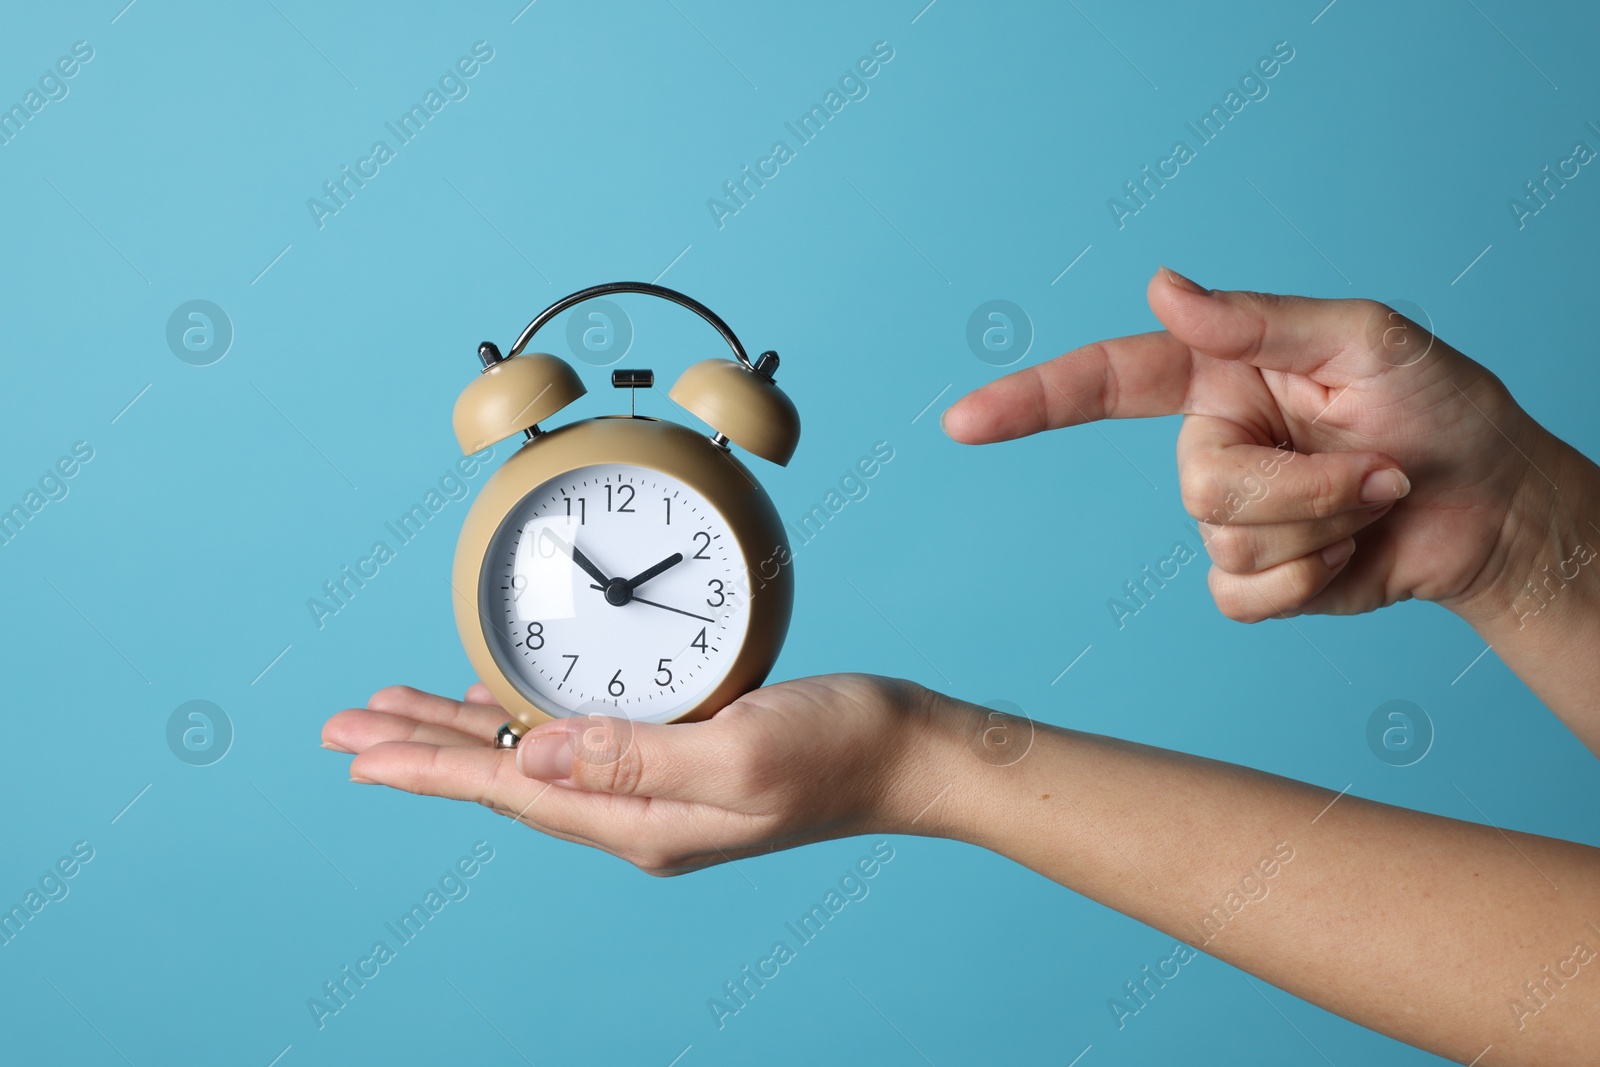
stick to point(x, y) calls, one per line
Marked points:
point(615, 686)
point(661, 668)
point(715, 585)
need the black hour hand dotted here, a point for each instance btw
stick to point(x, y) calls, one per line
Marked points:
point(650, 572)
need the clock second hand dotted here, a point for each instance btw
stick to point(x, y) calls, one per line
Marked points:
point(664, 607)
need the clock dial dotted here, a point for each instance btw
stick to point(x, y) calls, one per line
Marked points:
point(614, 589)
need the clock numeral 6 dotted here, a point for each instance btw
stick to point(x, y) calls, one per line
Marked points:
point(661, 668)
point(715, 585)
point(615, 686)
point(535, 633)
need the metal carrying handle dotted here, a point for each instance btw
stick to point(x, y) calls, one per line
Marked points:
point(646, 288)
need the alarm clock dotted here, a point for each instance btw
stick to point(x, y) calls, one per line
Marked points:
point(623, 564)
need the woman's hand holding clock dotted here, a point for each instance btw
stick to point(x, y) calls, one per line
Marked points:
point(792, 763)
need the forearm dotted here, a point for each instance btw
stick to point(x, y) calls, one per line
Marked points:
point(1541, 613)
point(1421, 927)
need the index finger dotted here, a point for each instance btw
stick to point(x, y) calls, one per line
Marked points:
point(1136, 377)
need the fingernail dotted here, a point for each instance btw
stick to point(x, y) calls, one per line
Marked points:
point(331, 747)
point(546, 756)
point(1184, 283)
point(1335, 555)
point(1387, 484)
point(362, 781)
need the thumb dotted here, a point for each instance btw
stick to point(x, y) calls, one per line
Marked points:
point(608, 754)
point(1293, 334)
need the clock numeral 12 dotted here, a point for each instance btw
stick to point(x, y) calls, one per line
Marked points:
point(626, 505)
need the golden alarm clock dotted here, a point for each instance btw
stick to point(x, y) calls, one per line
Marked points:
point(623, 565)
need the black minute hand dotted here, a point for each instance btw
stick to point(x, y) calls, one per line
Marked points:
point(579, 558)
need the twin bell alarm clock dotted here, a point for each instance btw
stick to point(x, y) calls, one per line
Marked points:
point(623, 565)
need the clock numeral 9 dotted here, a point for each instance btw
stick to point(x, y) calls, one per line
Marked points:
point(615, 686)
point(661, 668)
point(535, 633)
point(715, 585)
point(700, 553)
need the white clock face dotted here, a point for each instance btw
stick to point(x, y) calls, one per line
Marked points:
point(616, 590)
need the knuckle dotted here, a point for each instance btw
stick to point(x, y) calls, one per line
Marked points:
point(612, 771)
point(1231, 597)
point(1233, 549)
point(1265, 301)
point(1365, 320)
point(390, 696)
point(1306, 580)
point(1324, 493)
point(486, 788)
point(605, 757)
point(657, 863)
point(648, 862)
point(1202, 491)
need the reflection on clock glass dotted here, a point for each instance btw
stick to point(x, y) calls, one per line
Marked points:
point(617, 590)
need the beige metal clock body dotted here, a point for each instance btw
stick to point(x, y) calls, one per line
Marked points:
point(542, 633)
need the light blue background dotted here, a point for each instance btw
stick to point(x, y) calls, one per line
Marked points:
point(980, 163)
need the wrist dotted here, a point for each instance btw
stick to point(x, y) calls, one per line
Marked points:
point(914, 797)
point(1546, 543)
point(953, 769)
